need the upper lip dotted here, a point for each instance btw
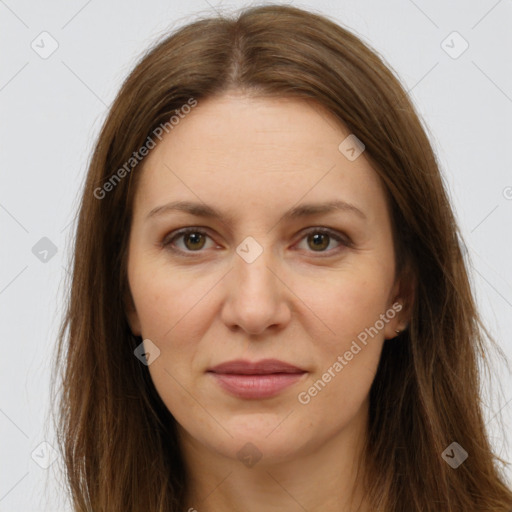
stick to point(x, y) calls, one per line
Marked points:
point(263, 367)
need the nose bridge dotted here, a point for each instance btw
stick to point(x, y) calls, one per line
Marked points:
point(252, 274)
point(255, 298)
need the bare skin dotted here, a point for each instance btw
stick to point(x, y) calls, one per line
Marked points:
point(303, 300)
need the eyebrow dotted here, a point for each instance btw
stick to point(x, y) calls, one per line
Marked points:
point(303, 210)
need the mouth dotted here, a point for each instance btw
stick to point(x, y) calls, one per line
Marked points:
point(256, 380)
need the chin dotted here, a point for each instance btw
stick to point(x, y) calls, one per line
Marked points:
point(254, 437)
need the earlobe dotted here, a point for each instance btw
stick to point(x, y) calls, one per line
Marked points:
point(397, 323)
point(402, 304)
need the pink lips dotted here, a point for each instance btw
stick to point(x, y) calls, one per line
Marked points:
point(256, 380)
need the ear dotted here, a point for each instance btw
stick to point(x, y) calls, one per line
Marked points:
point(401, 304)
point(131, 314)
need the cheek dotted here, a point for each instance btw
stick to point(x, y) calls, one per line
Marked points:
point(172, 310)
point(349, 303)
point(166, 299)
point(175, 311)
point(347, 358)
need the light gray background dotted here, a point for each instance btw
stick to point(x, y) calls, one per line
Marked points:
point(52, 109)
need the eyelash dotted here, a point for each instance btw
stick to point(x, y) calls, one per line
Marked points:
point(168, 241)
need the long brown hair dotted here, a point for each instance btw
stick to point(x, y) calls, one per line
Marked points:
point(118, 439)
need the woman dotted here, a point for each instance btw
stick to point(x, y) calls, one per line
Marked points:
point(269, 306)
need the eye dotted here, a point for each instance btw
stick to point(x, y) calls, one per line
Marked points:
point(194, 239)
point(319, 239)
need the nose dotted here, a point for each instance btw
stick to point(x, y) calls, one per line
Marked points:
point(256, 297)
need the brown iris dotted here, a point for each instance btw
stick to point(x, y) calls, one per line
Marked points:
point(319, 241)
point(194, 241)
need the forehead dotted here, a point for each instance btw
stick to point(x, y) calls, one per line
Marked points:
point(255, 152)
point(234, 125)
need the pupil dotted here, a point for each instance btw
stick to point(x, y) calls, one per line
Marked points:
point(319, 240)
point(194, 238)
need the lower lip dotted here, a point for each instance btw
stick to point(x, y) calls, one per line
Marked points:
point(256, 386)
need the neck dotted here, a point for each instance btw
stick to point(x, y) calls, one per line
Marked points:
point(325, 478)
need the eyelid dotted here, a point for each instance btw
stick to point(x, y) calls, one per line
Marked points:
point(340, 237)
point(171, 237)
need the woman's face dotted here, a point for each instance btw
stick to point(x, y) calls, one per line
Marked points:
point(264, 278)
